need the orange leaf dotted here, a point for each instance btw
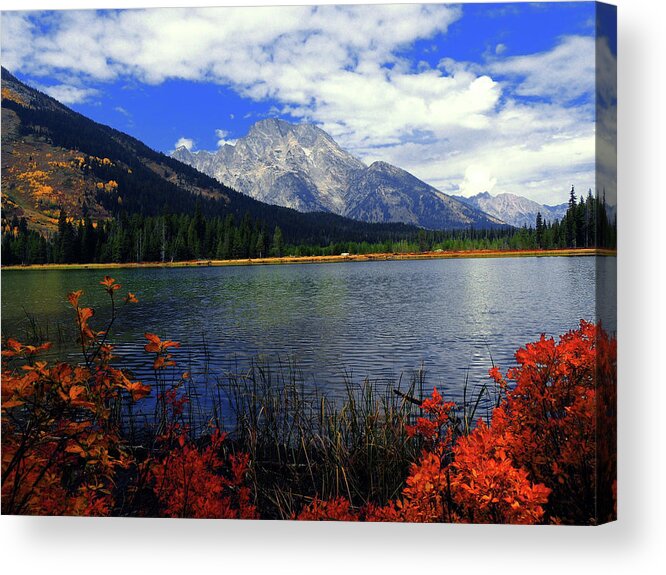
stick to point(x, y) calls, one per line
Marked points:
point(137, 389)
point(11, 403)
point(85, 314)
point(74, 296)
point(75, 391)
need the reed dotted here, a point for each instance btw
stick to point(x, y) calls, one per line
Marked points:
point(304, 442)
point(36, 332)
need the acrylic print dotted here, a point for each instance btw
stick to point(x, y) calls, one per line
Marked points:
point(349, 263)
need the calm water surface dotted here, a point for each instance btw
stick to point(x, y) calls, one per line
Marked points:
point(377, 319)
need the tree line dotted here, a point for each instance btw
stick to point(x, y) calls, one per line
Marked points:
point(180, 237)
point(586, 224)
point(136, 238)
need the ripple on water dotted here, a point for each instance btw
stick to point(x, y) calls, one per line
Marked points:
point(376, 319)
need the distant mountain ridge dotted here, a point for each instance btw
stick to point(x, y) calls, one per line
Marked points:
point(302, 167)
point(513, 209)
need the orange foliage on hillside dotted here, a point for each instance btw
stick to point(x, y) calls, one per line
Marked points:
point(8, 94)
point(39, 180)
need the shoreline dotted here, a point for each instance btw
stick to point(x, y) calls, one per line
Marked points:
point(285, 260)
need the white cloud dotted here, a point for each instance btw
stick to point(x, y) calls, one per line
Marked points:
point(562, 74)
point(69, 94)
point(222, 138)
point(184, 143)
point(215, 43)
point(606, 121)
point(477, 179)
point(537, 150)
point(14, 26)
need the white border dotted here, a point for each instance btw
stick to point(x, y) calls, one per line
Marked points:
point(66, 545)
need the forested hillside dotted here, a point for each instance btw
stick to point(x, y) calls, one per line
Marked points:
point(58, 164)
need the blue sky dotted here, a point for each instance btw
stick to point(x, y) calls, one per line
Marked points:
point(472, 97)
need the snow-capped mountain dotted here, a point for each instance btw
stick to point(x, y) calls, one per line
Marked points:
point(513, 209)
point(297, 166)
point(300, 166)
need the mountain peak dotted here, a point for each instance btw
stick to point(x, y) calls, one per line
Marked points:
point(183, 154)
point(514, 209)
point(381, 166)
point(271, 126)
point(300, 166)
point(304, 133)
point(273, 122)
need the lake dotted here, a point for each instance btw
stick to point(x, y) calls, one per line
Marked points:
point(381, 320)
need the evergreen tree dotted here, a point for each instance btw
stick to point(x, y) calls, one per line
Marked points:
point(277, 245)
point(539, 230)
point(570, 218)
point(66, 244)
point(260, 248)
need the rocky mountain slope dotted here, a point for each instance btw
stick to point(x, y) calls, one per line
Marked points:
point(297, 166)
point(383, 192)
point(300, 166)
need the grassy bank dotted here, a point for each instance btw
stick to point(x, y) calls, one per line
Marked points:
point(329, 259)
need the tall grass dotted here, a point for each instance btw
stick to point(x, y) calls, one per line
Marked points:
point(36, 332)
point(304, 442)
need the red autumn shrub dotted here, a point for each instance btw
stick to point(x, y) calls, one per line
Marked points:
point(63, 452)
point(559, 421)
point(190, 480)
point(548, 454)
point(201, 483)
point(435, 424)
point(61, 445)
point(338, 509)
point(473, 480)
point(488, 487)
